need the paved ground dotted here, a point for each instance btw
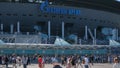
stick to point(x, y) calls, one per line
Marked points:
point(51, 66)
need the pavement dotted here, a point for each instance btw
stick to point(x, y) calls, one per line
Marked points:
point(99, 65)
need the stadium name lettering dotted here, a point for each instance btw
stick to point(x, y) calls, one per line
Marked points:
point(44, 7)
point(62, 11)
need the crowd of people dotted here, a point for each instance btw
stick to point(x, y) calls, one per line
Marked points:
point(71, 61)
point(14, 60)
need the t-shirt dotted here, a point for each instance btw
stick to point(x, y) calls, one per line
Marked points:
point(116, 65)
point(86, 61)
point(13, 60)
point(40, 60)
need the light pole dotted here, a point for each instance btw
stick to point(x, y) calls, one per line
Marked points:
point(15, 42)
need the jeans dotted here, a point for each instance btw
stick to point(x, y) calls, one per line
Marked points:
point(86, 66)
point(6, 64)
point(24, 65)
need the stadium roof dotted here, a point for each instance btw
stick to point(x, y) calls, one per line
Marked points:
point(105, 5)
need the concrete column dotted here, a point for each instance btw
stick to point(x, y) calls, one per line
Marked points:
point(95, 36)
point(117, 35)
point(86, 33)
point(63, 30)
point(76, 39)
point(18, 27)
point(11, 28)
point(95, 33)
point(49, 29)
point(1, 27)
point(80, 41)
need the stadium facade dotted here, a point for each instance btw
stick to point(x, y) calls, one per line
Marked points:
point(22, 20)
point(35, 17)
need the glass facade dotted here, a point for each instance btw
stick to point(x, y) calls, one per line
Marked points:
point(54, 51)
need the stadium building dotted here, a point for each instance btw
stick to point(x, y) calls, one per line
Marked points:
point(83, 22)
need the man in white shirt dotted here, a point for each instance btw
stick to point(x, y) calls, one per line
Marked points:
point(86, 65)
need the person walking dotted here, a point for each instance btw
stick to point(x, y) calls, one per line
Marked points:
point(91, 58)
point(40, 62)
point(69, 64)
point(18, 60)
point(14, 61)
point(116, 63)
point(6, 61)
point(3, 61)
point(86, 62)
point(24, 61)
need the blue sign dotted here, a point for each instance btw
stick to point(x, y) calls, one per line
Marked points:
point(58, 10)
